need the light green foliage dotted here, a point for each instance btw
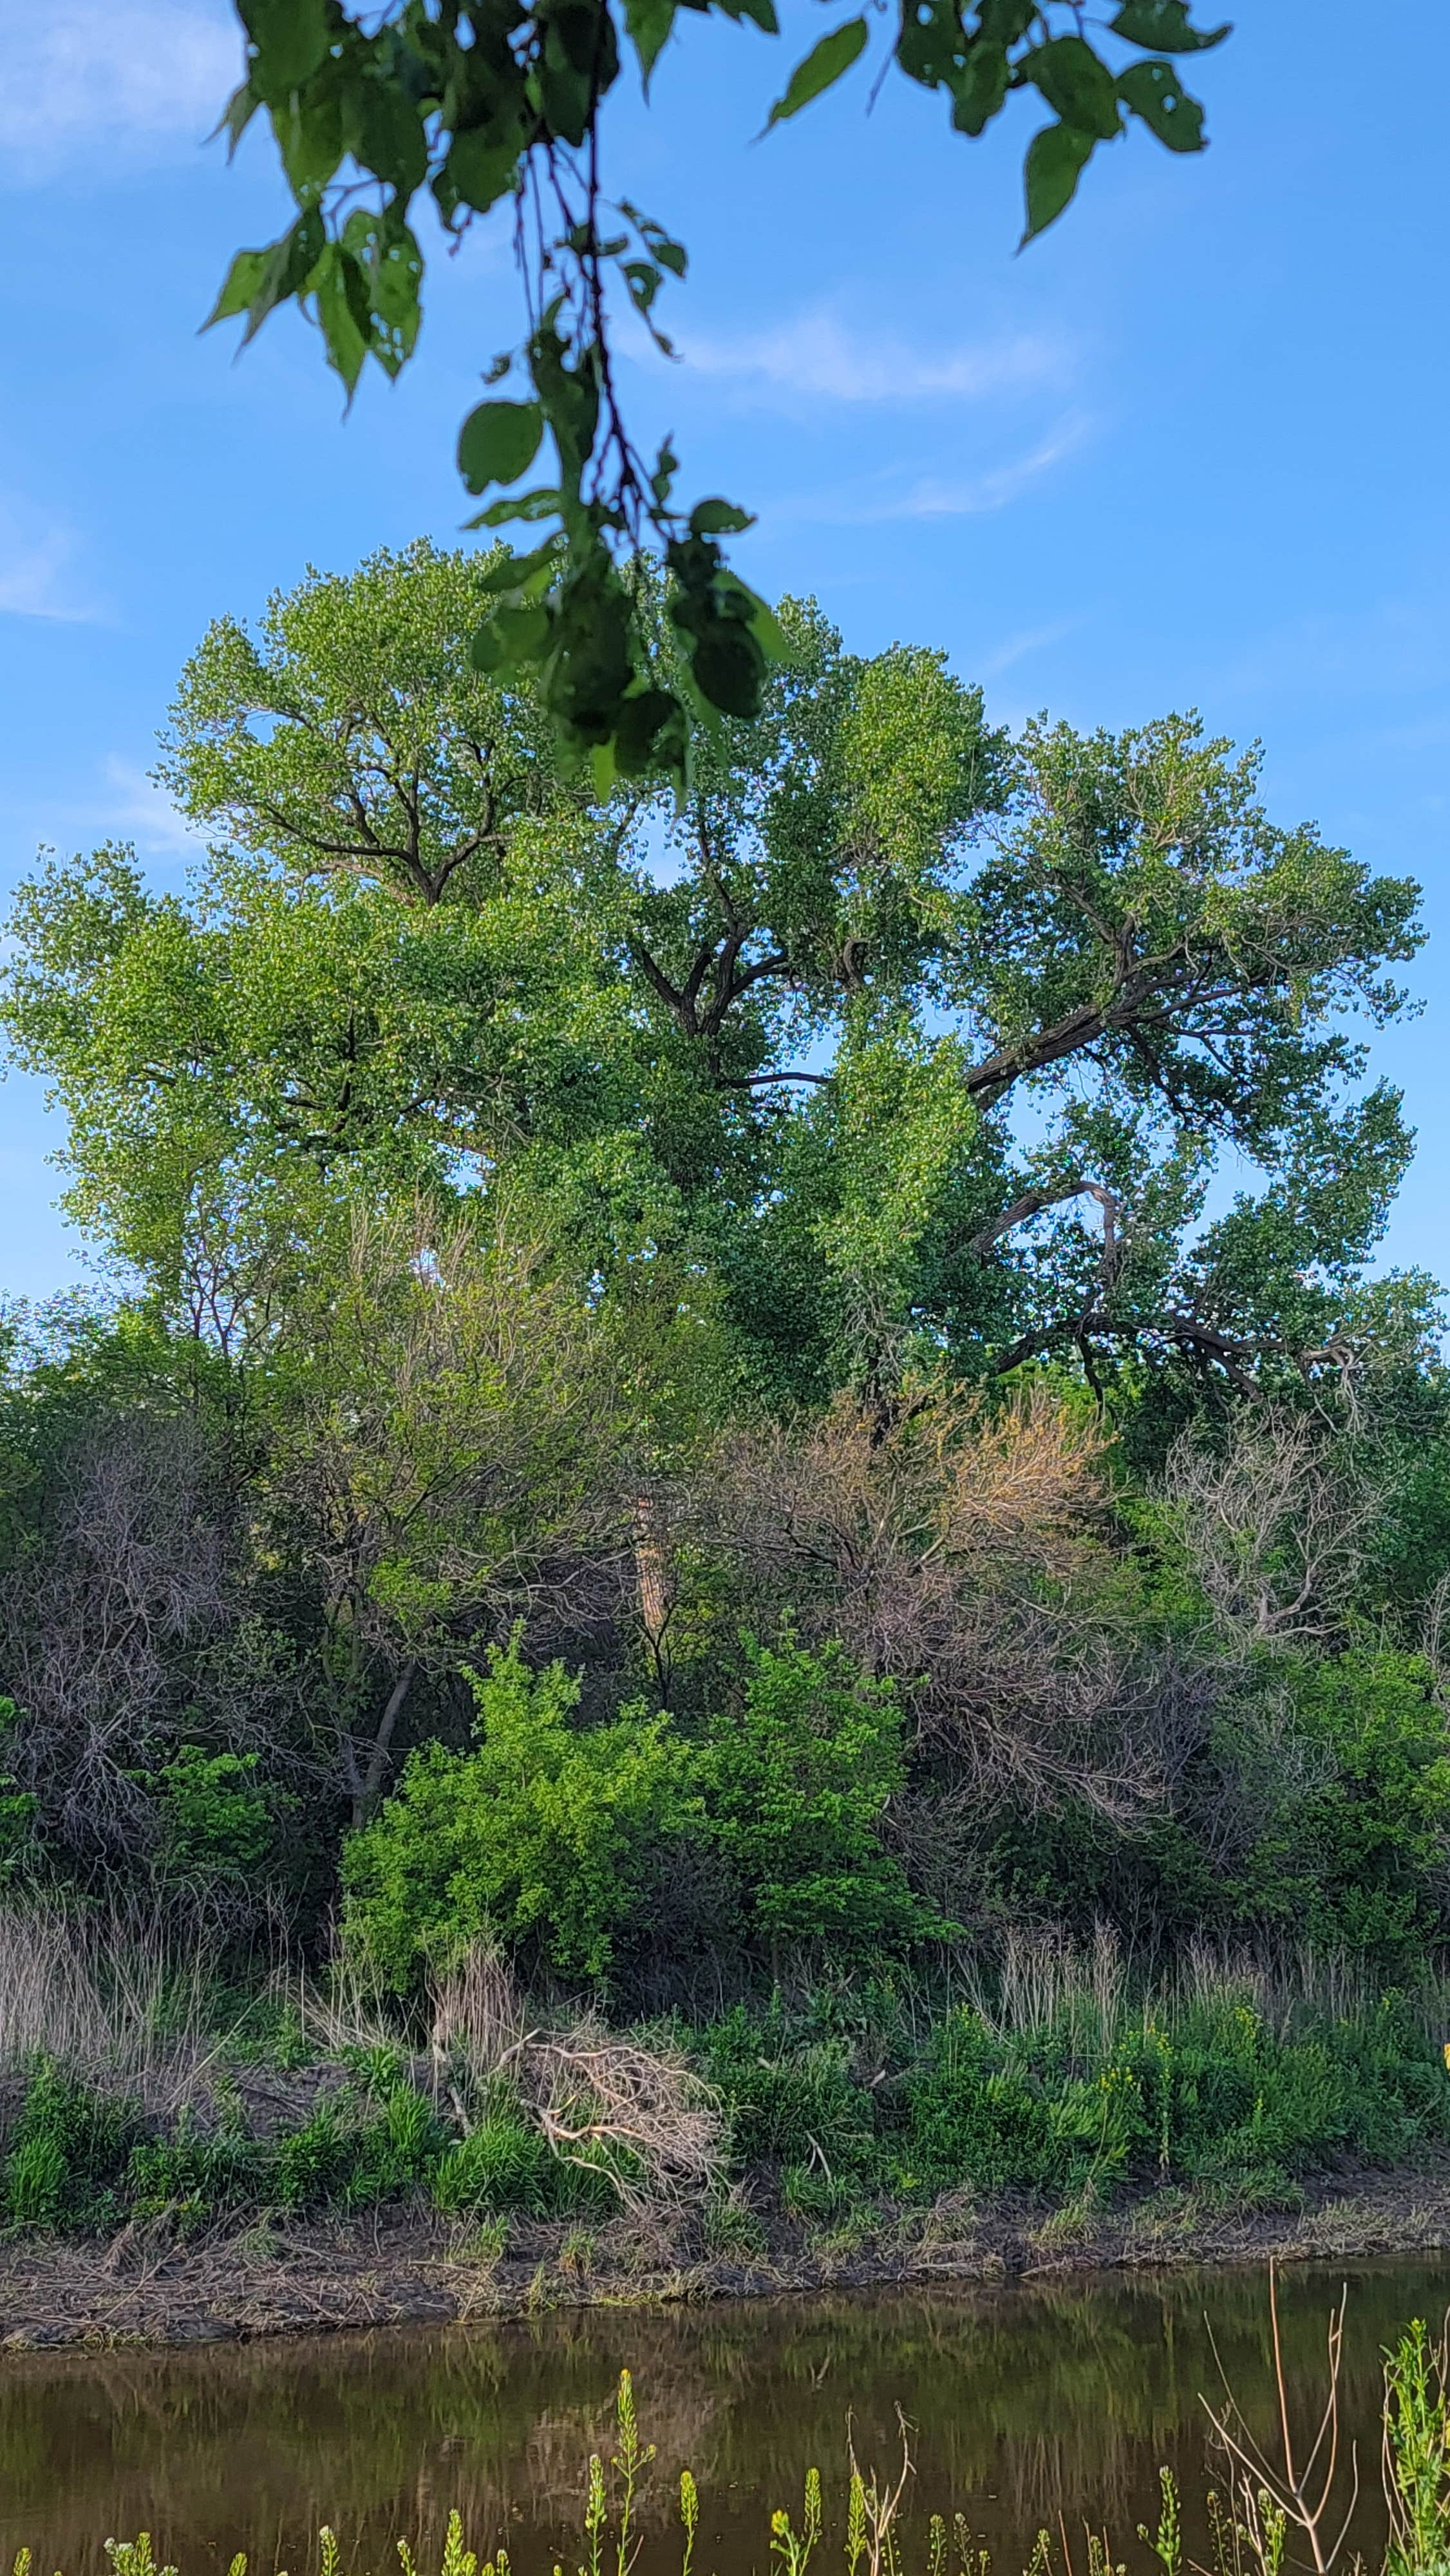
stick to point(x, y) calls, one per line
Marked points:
point(797, 1782)
point(216, 1819)
point(412, 96)
point(1417, 2455)
point(774, 1095)
point(536, 1838)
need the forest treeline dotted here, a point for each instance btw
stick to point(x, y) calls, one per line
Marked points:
point(715, 1389)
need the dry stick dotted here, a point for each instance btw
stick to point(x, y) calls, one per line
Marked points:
point(1289, 2494)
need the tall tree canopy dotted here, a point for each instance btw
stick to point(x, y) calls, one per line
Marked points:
point(895, 1038)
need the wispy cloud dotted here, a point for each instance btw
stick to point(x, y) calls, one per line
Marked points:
point(1016, 648)
point(819, 357)
point(109, 81)
point(967, 495)
point(38, 568)
point(143, 812)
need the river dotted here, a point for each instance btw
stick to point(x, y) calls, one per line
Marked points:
point(1050, 2400)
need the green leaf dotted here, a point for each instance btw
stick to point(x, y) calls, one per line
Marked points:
point(761, 13)
point(542, 504)
point(286, 269)
point(719, 519)
point(644, 283)
point(644, 716)
point(513, 572)
point(309, 137)
point(482, 169)
point(728, 668)
point(1002, 22)
point(392, 269)
point(979, 88)
point(824, 64)
point(1055, 161)
point(763, 623)
point(292, 38)
point(1162, 25)
point(346, 338)
point(498, 442)
point(1155, 92)
point(237, 115)
point(389, 137)
point(649, 23)
point(1076, 85)
point(241, 283)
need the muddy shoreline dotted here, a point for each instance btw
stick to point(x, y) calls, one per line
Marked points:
point(236, 2286)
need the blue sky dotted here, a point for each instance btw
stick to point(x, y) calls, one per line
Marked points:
point(1188, 450)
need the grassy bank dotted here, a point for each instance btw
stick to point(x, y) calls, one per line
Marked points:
point(139, 2094)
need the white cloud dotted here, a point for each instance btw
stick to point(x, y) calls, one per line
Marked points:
point(1016, 648)
point(817, 357)
point(37, 557)
point(937, 496)
point(138, 810)
point(110, 81)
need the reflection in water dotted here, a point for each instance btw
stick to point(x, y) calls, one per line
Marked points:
point(1059, 2396)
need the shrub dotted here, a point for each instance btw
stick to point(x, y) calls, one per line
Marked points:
point(797, 1784)
point(216, 1821)
point(1359, 1861)
point(503, 2164)
point(538, 1838)
point(787, 2103)
point(196, 2175)
point(68, 2153)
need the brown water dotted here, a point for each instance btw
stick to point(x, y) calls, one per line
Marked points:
point(1056, 2398)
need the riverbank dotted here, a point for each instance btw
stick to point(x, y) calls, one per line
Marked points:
point(141, 2287)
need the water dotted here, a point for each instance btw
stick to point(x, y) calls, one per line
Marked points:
point(1057, 2398)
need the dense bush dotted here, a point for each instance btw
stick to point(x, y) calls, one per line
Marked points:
point(537, 1837)
point(797, 1781)
point(1215, 2090)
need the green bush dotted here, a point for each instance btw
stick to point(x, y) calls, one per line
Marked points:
point(216, 1821)
point(787, 2102)
point(1359, 1861)
point(797, 1782)
point(503, 2164)
point(538, 1838)
point(68, 2153)
point(196, 2174)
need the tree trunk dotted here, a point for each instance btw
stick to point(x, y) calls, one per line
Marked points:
point(656, 1602)
point(365, 1797)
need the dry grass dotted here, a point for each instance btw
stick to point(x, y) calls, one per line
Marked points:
point(1095, 1992)
point(124, 1998)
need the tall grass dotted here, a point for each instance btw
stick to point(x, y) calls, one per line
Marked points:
point(125, 1999)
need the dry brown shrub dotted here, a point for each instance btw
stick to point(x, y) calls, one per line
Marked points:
point(1274, 1526)
point(957, 1548)
point(588, 2087)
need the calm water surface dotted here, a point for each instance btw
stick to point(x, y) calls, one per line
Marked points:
point(1056, 2397)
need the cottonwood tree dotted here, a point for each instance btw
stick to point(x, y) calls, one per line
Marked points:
point(919, 1046)
point(490, 108)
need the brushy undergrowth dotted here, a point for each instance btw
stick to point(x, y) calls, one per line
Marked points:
point(1066, 2077)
